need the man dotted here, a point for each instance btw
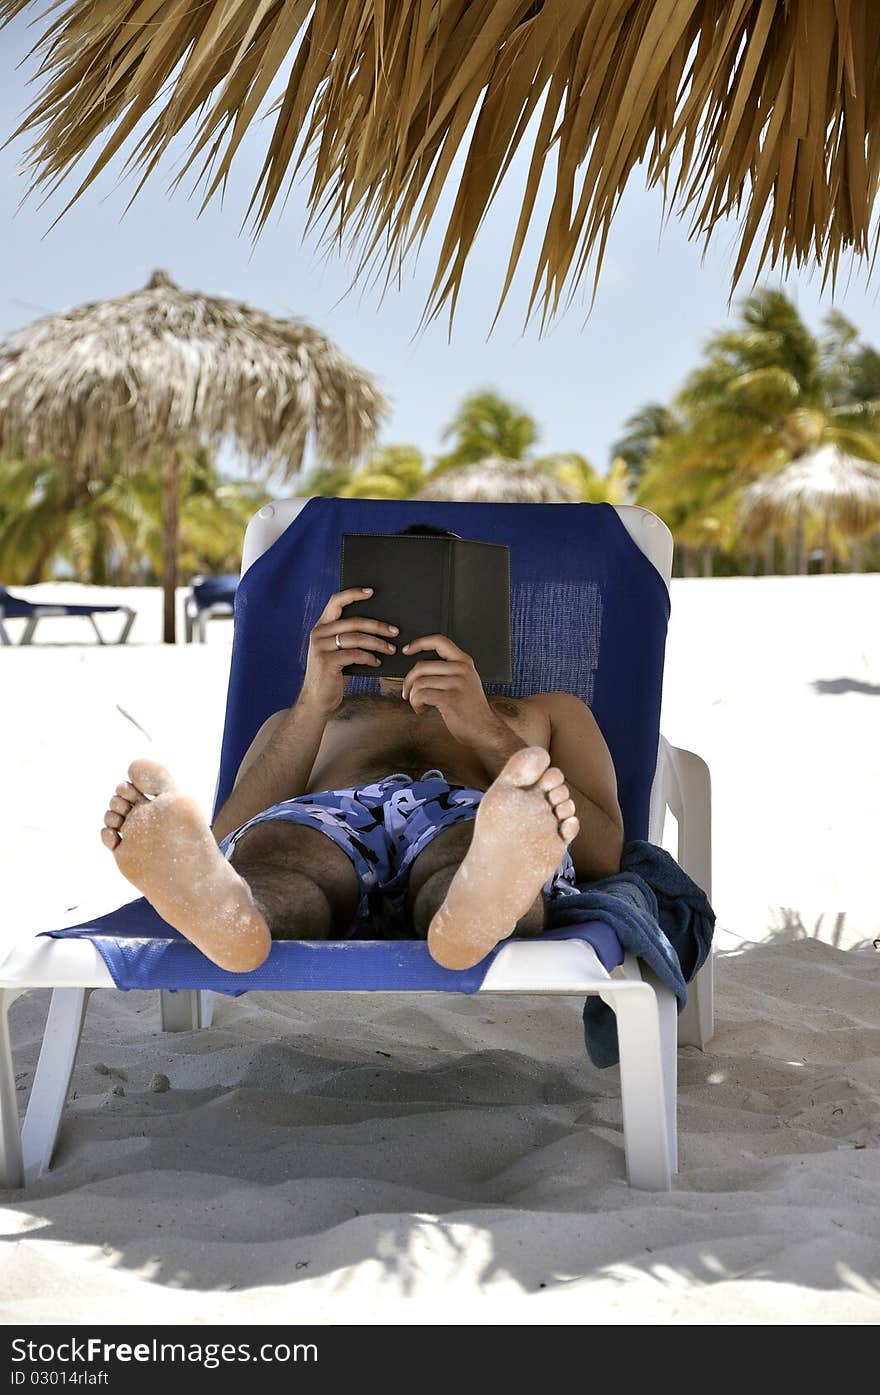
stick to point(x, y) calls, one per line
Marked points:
point(425, 809)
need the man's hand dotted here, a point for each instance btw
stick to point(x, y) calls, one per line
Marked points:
point(452, 685)
point(359, 641)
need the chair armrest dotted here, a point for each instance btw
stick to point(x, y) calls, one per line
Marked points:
point(682, 784)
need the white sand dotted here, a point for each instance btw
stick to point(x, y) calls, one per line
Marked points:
point(446, 1159)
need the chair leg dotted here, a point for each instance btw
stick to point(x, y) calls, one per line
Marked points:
point(644, 1091)
point(100, 637)
point(696, 1025)
point(11, 1169)
point(4, 633)
point(186, 1011)
point(667, 1011)
point(129, 621)
point(28, 631)
point(49, 1091)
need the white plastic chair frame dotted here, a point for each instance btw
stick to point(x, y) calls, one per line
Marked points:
point(195, 617)
point(647, 1022)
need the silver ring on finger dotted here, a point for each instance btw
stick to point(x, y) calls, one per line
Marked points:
point(338, 642)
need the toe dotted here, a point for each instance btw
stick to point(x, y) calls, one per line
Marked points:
point(112, 820)
point(110, 839)
point(564, 809)
point(557, 795)
point(126, 790)
point(551, 778)
point(150, 777)
point(569, 829)
point(120, 805)
point(524, 767)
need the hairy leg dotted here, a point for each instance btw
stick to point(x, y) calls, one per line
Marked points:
point(304, 885)
point(433, 870)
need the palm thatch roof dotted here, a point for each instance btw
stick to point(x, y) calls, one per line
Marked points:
point(839, 488)
point(758, 107)
point(128, 377)
point(497, 481)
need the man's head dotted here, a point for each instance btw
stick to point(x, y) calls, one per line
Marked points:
point(427, 530)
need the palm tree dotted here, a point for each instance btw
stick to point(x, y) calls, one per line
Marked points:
point(392, 472)
point(486, 425)
point(482, 421)
point(105, 531)
point(766, 393)
point(577, 475)
point(643, 432)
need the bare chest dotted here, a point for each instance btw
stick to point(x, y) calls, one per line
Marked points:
point(373, 736)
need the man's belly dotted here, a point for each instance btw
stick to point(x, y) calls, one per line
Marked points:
point(365, 758)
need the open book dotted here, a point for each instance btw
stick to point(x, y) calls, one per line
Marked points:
point(457, 587)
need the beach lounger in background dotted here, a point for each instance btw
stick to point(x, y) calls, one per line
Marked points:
point(209, 597)
point(590, 605)
point(32, 612)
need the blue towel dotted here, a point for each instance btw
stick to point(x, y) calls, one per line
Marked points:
point(658, 913)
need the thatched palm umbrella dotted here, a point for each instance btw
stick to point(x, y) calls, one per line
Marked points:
point(497, 481)
point(840, 489)
point(141, 376)
point(769, 106)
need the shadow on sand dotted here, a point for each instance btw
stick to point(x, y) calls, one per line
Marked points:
point(299, 1142)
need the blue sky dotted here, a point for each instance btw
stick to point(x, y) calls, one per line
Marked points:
point(658, 298)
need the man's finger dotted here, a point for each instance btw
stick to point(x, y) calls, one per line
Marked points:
point(333, 609)
point(426, 697)
point(352, 622)
point(432, 666)
point(443, 645)
point(440, 687)
point(435, 681)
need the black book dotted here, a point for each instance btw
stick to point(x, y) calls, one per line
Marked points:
point(427, 585)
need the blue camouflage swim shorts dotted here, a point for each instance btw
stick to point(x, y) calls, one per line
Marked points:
point(382, 828)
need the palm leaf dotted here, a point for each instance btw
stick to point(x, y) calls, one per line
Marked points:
point(766, 109)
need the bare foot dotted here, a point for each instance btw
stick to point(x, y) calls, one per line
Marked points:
point(524, 822)
point(162, 843)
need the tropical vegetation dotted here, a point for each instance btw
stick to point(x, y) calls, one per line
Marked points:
point(768, 394)
point(109, 530)
point(486, 426)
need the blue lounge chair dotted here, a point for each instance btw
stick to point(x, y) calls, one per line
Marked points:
point(590, 605)
point(32, 612)
point(209, 597)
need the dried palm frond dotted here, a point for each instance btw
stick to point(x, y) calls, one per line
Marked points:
point(496, 481)
point(130, 377)
point(141, 377)
point(771, 107)
point(840, 489)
